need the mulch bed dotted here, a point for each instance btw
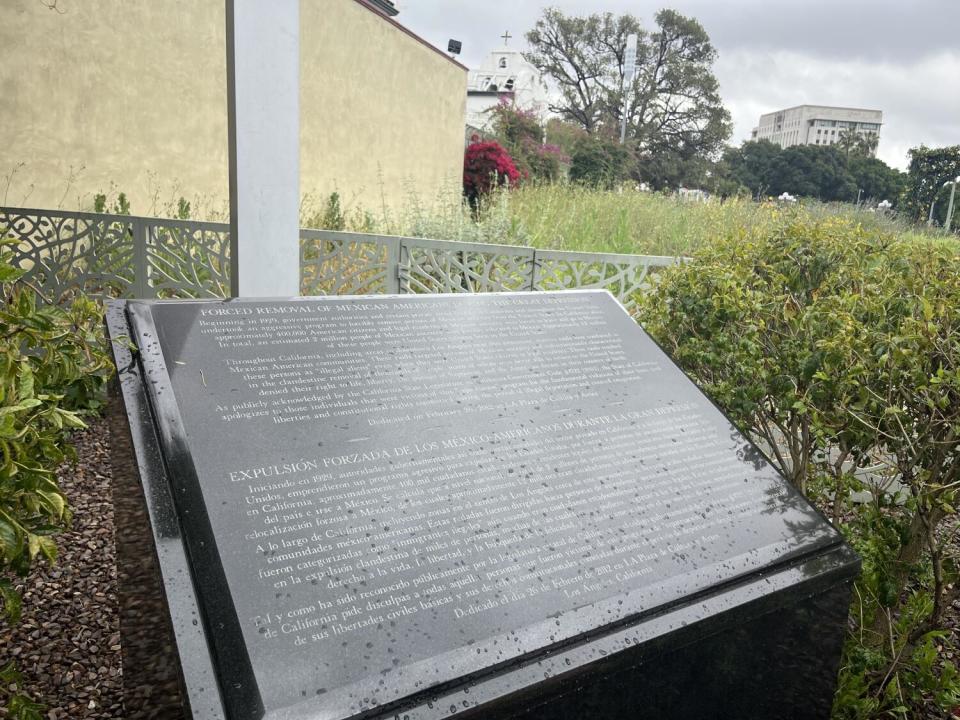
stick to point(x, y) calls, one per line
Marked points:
point(67, 644)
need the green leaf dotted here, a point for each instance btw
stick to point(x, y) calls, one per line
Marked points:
point(54, 501)
point(9, 539)
point(8, 273)
point(71, 419)
point(26, 381)
point(8, 673)
point(33, 545)
point(57, 419)
point(49, 529)
point(12, 603)
point(25, 405)
point(48, 548)
point(20, 707)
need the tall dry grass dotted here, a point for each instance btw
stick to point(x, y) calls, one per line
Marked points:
point(563, 216)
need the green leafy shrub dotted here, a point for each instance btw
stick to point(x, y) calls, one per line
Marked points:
point(520, 133)
point(599, 162)
point(332, 214)
point(119, 206)
point(839, 353)
point(52, 370)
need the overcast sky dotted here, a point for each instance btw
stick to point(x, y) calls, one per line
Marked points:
point(899, 57)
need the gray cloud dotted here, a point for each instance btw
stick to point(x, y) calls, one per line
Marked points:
point(902, 31)
point(901, 57)
point(915, 97)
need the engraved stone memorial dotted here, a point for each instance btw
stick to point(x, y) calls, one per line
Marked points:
point(486, 506)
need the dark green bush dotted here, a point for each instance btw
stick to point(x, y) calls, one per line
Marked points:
point(599, 162)
point(839, 353)
point(52, 370)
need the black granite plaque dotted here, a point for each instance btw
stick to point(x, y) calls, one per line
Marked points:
point(429, 505)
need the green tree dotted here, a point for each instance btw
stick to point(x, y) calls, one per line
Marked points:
point(671, 168)
point(584, 57)
point(855, 144)
point(750, 165)
point(929, 169)
point(721, 183)
point(599, 162)
point(811, 171)
point(876, 179)
point(826, 173)
point(674, 109)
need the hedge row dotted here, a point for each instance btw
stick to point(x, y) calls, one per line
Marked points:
point(839, 352)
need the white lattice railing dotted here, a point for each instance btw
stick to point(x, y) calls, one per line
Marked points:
point(127, 256)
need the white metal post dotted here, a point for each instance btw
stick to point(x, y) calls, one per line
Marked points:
point(263, 106)
point(629, 69)
point(953, 190)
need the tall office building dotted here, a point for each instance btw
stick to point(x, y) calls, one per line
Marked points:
point(816, 125)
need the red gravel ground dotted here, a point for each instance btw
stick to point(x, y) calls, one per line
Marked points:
point(67, 644)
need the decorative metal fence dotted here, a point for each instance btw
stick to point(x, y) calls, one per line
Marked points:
point(127, 256)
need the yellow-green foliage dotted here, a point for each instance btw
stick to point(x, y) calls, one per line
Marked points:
point(568, 217)
point(837, 347)
point(565, 216)
point(52, 369)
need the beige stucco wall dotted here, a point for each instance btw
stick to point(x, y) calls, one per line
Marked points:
point(393, 101)
point(131, 94)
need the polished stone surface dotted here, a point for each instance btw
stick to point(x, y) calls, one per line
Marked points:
point(168, 670)
point(387, 500)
